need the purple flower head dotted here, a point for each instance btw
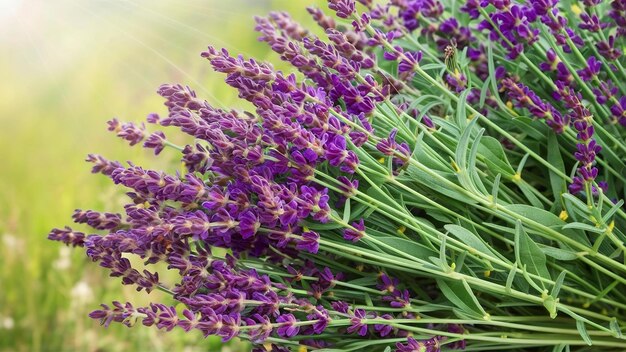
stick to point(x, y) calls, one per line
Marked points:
point(338, 155)
point(348, 188)
point(388, 284)
point(356, 233)
point(605, 91)
point(619, 111)
point(542, 7)
point(155, 141)
point(471, 7)
point(67, 236)
point(608, 50)
point(384, 329)
point(586, 153)
point(321, 315)
point(153, 118)
point(409, 61)
point(248, 224)
point(128, 131)
point(264, 330)
point(552, 61)
point(357, 324)
point(340, 306)
point(591, 23)
point(343, 8)
point(591, 70)
point(97, 220)
point(398, 299)
point(457, 329)
point(309, 242)
point(287, 328)
point(412, 345)
point(106, 315)
point(498, 4)
point(388, 145)
point(315, 202)
point(102, 165)
point(456, 81)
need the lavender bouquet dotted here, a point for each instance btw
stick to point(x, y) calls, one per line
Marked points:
point(438, 175)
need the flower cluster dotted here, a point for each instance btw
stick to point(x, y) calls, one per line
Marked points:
point(373, 204)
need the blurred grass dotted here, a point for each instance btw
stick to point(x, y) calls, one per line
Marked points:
point(67, 67)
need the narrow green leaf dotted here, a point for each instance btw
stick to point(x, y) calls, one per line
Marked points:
point(346, 211)
point(614, 325)
point(522, 163)
point(490, 149)
point(510, 277)
point(582, 330)
point(460, 294)
point(442, 252)
point(576, 203)
point(528, 193)
point(558, 253)
point(496, 188)
point(461, 109)
point(541, 216)
point(584, 227)
point(409, 247)
point(470, 239)
point(529, 254)
point(473, 171)
point(368, 300)
point(431, 66)
point(554, 158)
point(557, 284)
point(313, 225)
point(463, 146)
point(364, 281)
point(612, 211)
point(483, 92)
point(438, 185)
point(460, 260)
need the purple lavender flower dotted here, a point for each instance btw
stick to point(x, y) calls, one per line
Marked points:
point(591, 70)
point(356, 322)
point(129, 131)
point(248, 224)
point(409, 61)
point(99, 221)
point(384, 329)
point(343, 8)
point(591, 23)
point(355, 234)
point(102, 165)
point(287, 326)
point(322, 318)
point(68, 236)
point(619, 111)
point(309, 242)
point(608, 50)
point(412, 345)
point(552, 61)
point(155, 141)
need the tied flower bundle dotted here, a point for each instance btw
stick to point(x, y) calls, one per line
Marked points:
point(437, 175)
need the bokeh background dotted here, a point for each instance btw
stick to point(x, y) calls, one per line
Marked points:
point(66, 67)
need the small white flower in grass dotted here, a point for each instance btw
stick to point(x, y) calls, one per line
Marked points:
point(64, 261)
point(7, 323)
point(82, 293)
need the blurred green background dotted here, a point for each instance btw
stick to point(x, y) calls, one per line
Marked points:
point(66, 67)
